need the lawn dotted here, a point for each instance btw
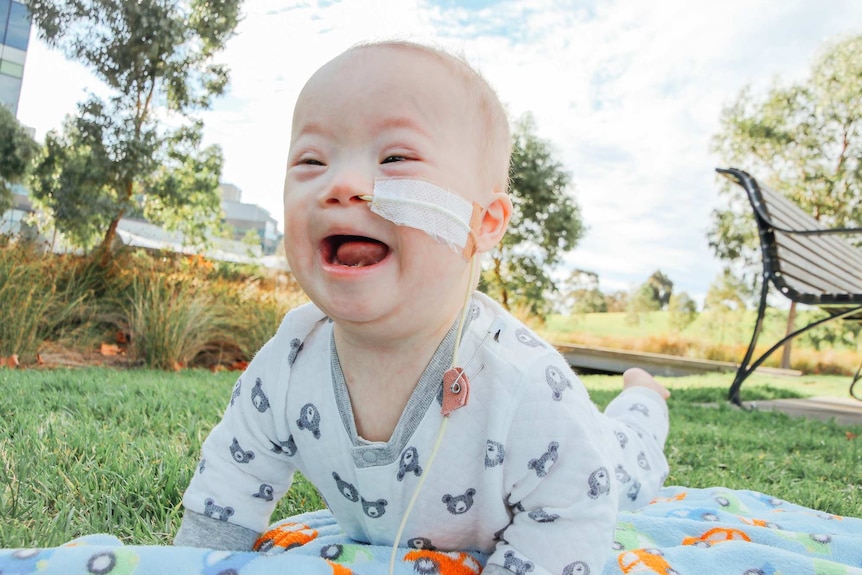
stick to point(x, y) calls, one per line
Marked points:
point(98, 450)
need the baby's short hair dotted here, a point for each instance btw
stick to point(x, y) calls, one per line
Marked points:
point(493, 120)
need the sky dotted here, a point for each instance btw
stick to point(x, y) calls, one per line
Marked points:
point(627, 93)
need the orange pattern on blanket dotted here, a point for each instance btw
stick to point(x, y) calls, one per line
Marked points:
point(285, 536)
point(678, 497)
point(757, 522)
point(717, 535)
point(439, 563)
point(338, 569)
point(644, 561)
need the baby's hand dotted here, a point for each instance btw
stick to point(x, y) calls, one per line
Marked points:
point(636, 377)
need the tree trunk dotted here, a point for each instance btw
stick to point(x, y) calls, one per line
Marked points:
point(785, 353)
point(108, 240)
point(104, 248)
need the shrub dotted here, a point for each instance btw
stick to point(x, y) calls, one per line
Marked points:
point(40, 295)
point(170, 320)
point(253, 311)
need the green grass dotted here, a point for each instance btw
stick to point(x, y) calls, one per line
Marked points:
point(108, 451)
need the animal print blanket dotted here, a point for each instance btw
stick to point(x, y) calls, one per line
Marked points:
point(700, 531)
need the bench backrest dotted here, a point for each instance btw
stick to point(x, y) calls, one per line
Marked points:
point(805, 261)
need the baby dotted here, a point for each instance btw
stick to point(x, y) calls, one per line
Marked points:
point(398, 372)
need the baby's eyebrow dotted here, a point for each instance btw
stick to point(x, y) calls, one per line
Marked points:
point(315, 129)
point(395, 122)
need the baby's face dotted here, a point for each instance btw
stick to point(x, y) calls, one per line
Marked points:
point(378, 112)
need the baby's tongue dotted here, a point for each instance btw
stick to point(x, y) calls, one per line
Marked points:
point(358, 252)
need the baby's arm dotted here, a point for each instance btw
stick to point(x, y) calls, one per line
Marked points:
point(564, 520)
point(558, 479)
point(245, 466)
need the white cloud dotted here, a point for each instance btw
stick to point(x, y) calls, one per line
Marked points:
point(628, 92)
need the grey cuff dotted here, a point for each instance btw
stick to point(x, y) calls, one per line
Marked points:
point(201, 531)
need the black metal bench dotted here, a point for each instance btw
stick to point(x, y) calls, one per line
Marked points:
point(806, 262)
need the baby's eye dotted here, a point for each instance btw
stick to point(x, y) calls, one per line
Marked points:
point(394, 158)
point(310, 162)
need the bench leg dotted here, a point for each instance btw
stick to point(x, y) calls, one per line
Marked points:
point(747, 367)
point(853, 383)
point(744, 369)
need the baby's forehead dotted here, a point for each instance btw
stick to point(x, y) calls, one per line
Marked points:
point(366, 81)
point(389, 64)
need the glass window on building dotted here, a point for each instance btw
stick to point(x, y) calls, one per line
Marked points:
point(4, 19)
point(11, 69)
point(18, 28)
point(10, 88)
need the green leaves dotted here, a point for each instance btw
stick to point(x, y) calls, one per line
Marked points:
point(17, 150)
point(804, 140)
point(545, 224)
point(138, 151)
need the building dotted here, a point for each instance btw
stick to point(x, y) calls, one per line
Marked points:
point(14, 39)
point(244, 217)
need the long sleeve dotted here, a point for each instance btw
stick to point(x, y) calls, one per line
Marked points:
point(247, 461)
point(558, 473)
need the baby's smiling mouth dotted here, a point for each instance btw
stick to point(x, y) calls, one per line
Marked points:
point(353, 251)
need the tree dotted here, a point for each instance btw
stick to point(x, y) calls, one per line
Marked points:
point(617, 301)
point(644, 298)
point(656, 291)
point(581, 294)
point(682, 311)
point(17, 151)
point(545, 224)
point(725, 304)
point(803, 140)
point(139, 150)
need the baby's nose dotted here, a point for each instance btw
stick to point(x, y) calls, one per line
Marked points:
point(348, 187)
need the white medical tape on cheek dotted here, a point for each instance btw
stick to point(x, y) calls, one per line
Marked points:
point(436, 211)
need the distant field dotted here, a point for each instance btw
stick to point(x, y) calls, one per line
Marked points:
point(708, 337)
point(707, 328)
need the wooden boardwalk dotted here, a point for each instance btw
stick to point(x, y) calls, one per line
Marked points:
point(607, 360)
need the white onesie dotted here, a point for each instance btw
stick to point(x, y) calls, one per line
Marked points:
point(529, 471)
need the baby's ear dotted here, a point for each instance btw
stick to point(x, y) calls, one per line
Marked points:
point(495, 220)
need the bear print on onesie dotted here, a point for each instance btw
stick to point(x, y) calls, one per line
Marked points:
point(239, 454)
point(517, 565)
point(287, 448)
point(600, 483)
point(557, 381)
point(217, 511)
point(543, 464)
point(258, 397)
point(409, 463)
point(494, 453)
point(309, 418)
point(264, 492)
point(374, 509)
point(346, 489)
point(237, 388)
point(458, 504)
point(295, 348)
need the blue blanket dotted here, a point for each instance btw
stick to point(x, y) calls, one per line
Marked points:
point(698, 531)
